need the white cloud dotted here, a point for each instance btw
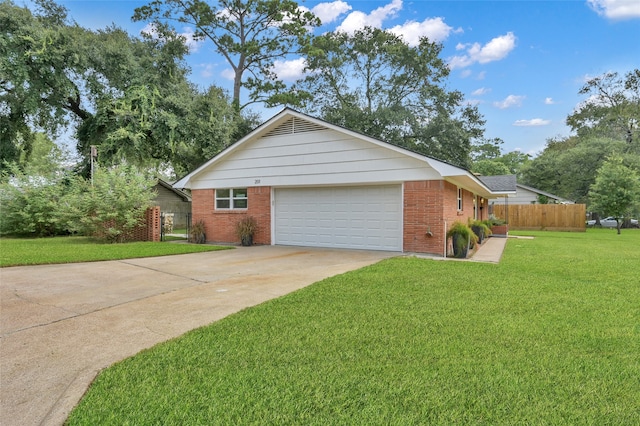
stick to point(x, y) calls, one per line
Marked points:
point(329, 12)
point(192, 44)
point(532, 123)
point(481, 91)
point(498, 48)
point(509, 101)
point(616, 9)
point(228, 74)
point(358, 20)
point(207, 70)
point(549, 101)
point(433, 28)
point(289, 70)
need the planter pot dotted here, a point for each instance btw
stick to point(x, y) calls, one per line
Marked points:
point(460, 246)
point(500, 231)
point(198, 238)
point(479, 231)
point(247, 240)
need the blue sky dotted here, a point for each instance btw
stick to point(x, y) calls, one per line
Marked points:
point(521, 62)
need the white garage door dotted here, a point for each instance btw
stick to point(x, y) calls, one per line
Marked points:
point(365, 217)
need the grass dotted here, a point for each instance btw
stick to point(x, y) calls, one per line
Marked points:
point(36, 251)
point(551, 335)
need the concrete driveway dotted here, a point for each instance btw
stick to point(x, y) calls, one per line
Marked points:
point(61, 324)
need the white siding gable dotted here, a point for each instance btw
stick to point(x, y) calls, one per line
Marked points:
point(300, 152)
point(523, 196)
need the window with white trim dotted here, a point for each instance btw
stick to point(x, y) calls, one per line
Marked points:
point(231, 199)
point(459, 199)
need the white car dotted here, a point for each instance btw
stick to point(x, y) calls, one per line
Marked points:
point(610, 222)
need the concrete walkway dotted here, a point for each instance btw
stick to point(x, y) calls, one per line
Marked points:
point(490, 250)
point(61, 324)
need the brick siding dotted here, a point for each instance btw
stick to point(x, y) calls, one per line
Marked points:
point(220, 224)
point(148, 230)
point(427, 206)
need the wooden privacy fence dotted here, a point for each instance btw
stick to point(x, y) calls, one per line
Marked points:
point(549, 217)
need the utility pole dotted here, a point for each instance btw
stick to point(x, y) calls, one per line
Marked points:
point(94, 154)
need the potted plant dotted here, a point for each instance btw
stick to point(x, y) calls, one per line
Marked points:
point(245, 229)
point(462, 238)
point(197, 234)
point(499, 228)
point(480, 228)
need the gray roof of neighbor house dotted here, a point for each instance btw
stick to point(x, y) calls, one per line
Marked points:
point(178, 192)
point(500, 183)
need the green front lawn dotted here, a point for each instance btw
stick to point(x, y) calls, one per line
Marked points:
point(36, 251)
point(551, 335)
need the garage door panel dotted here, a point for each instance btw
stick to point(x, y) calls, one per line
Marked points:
point(345, 217)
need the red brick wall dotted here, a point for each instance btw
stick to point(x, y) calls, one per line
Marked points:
point(430, 206)
point(427, 205)
point(148, 230)
point(151, 230)
point(423, 213)
point(220, 224)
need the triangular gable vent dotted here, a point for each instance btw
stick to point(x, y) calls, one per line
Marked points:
point(294, 125)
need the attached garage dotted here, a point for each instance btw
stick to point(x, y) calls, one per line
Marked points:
point(358, 217)
point(310, 183)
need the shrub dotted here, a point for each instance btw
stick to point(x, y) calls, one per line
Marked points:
point(462, 237)
point(480, 228)
point(30, 205)
point(197, 233)
point(495, 221)
point(114, 205)
point(246, 227)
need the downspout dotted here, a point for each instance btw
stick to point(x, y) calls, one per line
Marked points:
point(445, 239)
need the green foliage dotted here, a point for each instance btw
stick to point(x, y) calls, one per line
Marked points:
point(616, 189)
point(568, 167)
point(129, 96)
point(494, 221)
point(30, 204)
point(481, 228)
point(462, 237)
point(246, 227)
point(375, 83)
point(30, 251)
point(197, 233)
point(56, 204)
point(409, 341)
point(250, 34)
point(490, 168)
point(605, 124)
point(488, 160)
point(112, 205)
point(612, 110)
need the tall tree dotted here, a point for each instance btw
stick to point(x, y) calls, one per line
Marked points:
point(129, 96)
point(375, 83)
point(55, 73)
point(487, 159)
point(612, 109)
point(251, 35)
point(568, 167)
point(616, 190)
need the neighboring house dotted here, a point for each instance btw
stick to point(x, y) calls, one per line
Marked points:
point(173, 201)
point(528, 195)
point(311, 183)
